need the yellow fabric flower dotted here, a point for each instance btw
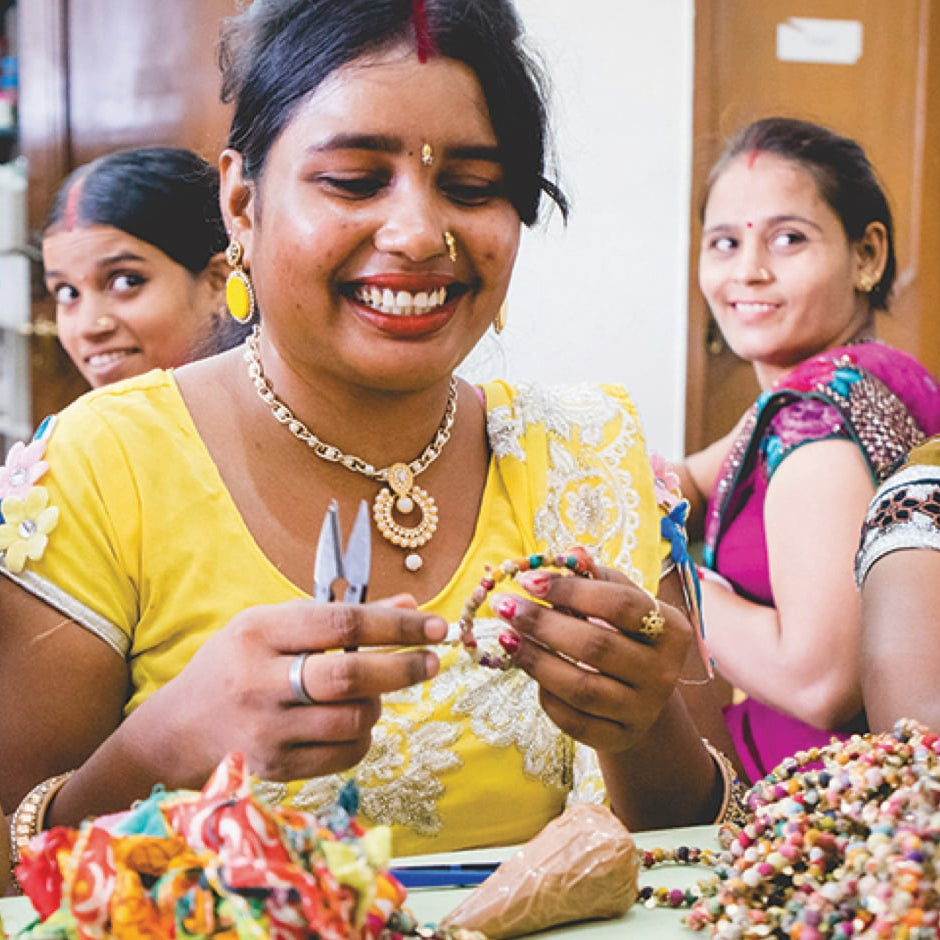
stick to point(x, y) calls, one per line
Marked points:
point(26, 525)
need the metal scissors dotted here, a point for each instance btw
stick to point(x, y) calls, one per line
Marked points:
point(332, 563)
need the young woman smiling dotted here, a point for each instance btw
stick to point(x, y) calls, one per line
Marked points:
point(382, 160)
point(797, 256)
point(133, 252)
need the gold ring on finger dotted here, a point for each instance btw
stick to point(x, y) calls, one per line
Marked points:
point(653, 623)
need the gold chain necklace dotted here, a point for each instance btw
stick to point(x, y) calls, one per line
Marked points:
point(400, 492)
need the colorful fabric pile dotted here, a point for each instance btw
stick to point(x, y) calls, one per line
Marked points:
point(215, 863)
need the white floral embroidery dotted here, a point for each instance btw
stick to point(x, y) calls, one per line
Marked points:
point(505, 430)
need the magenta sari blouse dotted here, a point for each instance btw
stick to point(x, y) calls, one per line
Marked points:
point(879, 398)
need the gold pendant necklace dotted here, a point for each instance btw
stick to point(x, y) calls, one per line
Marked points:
point(399, 493)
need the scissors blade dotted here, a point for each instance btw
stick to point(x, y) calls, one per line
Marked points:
point(358, 557)
point(328, 565)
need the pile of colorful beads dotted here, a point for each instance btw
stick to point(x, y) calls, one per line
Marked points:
point(577, 562)
point(844, 841)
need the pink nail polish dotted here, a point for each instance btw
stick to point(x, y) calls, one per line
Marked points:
point(504, 605)
point(536, 583)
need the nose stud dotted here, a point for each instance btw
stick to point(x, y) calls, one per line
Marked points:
point(427, 155)
point(105, 323)
point(451, 244)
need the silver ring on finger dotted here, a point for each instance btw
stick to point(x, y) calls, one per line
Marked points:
point(296, 678)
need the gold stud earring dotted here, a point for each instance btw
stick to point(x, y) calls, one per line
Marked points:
point(239, 293)
point(866, 282)
point(427, 155)
point(502, 316)
point(451, 244)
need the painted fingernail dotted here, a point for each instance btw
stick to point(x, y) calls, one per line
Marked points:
point(505, 606)
point(510, 642)
point(536, 583)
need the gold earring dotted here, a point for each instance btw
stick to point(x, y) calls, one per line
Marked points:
point(239, 294)
point(427, 155)
point(451, 244)
point(502, 315)
point(866, 282)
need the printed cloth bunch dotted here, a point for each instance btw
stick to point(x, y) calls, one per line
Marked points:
point(843, 841)
point(215, 863)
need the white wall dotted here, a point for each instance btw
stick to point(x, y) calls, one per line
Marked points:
point(605, 299)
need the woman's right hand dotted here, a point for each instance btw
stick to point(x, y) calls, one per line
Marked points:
point(236, 693)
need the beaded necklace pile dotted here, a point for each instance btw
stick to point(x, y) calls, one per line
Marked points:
point(841, 841)
point(399, 493)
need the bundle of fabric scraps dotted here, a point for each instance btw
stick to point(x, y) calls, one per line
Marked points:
point(219, 862)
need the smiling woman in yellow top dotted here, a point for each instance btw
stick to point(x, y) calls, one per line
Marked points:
point(373, 189)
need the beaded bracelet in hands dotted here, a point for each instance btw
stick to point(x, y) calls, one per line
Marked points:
point(577, 562)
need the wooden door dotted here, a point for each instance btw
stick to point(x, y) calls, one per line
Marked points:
point(888, 100)
point(99, 75)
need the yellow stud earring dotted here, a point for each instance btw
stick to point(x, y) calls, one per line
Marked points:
point(451, 244)
point(866, 282)
point(502, 315)
point(239, 294)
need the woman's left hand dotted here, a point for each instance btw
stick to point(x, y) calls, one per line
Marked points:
point(605, 653)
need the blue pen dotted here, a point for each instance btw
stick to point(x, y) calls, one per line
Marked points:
point(444, 876)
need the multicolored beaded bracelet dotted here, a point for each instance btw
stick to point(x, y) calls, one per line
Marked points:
point(577, 562)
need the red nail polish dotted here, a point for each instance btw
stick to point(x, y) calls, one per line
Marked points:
point(505, 606)
point(536, 583)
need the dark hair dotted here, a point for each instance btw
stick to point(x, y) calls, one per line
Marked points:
point(165, 196)
point(276, 53)
point(843, 173)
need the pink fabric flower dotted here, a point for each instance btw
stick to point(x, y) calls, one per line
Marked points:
point(665, 481)
point(23, 467)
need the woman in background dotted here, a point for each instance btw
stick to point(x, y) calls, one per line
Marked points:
point(797, 256)
point(133, 252)
point(898, 571)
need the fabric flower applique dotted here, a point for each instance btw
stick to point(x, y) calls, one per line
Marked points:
point(24, 466)
point(26, 525)
point(665, 481)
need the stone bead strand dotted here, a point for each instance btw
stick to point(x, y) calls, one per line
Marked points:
point(576, 562)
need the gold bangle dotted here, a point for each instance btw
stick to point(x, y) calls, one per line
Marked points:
point(30, 815)
point(734, 809)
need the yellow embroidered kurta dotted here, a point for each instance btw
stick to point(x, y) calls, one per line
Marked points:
point(151, 554)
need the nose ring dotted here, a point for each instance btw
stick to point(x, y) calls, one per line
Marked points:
point(451, 244)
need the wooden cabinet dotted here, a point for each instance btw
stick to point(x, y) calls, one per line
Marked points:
point(888, 100)
point(95, 76)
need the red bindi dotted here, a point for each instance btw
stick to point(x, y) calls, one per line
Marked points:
point(752, 159)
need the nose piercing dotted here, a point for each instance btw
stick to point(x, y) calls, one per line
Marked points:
point(104, 323)
point(427, 155)
point(764, 274)
point(451, 243)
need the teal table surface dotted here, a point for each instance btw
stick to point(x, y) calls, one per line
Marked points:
point(430, 904)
